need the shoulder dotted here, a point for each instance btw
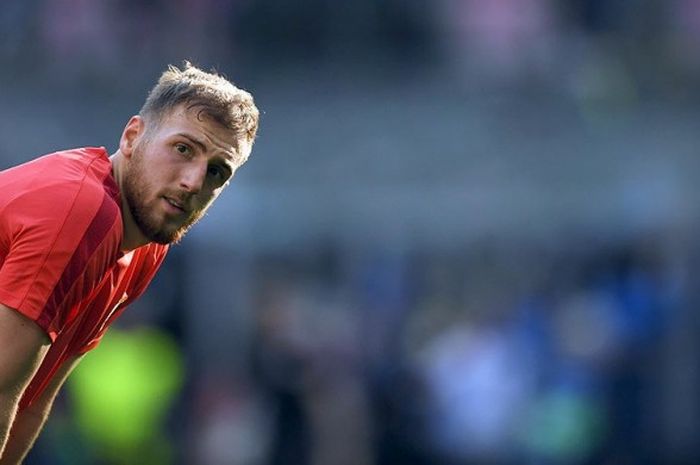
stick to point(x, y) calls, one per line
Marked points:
point(66, 164)
point(74, 184)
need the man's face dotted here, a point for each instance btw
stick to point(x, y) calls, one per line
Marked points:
point(176, 170)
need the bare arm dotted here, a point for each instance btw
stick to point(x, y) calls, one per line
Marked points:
point(22, 347)
point(29, 422)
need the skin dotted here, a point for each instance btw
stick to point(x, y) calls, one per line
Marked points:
point(24, 346)
point(28, 424)
point(170, 172)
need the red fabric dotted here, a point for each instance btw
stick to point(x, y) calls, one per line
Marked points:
point(60, 263)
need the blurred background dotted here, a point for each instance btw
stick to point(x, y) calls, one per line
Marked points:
point(467, 234)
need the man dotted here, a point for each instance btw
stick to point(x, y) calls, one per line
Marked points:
point(82, 234)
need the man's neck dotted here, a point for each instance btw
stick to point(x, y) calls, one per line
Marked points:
point(132, 237)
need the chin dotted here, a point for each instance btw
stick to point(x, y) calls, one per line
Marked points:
point(165, 237)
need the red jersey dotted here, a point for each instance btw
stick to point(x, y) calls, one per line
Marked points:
point(60, 259)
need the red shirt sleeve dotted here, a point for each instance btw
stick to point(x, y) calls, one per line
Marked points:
point(48, 230)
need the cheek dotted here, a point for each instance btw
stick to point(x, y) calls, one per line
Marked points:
point(207, 199)
point(142, 182)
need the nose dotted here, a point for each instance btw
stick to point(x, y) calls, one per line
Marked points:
point(192, 177)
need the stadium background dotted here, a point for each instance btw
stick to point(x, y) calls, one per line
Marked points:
point(467, 234)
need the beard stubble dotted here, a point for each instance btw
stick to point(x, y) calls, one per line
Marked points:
point(136, 188)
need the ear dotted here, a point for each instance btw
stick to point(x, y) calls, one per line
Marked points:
point(132, 133)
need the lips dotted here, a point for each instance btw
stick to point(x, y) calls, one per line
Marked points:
point(176, 206)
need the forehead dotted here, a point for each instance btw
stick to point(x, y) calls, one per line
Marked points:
point(194, 123)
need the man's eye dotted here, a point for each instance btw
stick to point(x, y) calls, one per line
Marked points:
point(182, 149)
point(216, 172)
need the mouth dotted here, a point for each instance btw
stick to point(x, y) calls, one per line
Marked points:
point(175, 206)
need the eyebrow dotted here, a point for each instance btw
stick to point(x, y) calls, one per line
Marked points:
point(194, 140)
point(203, 147)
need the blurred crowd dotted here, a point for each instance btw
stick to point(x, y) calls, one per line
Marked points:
point(494, 354)
point(505, 349)
point(589, 44)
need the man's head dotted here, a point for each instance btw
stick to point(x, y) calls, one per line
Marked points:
point(209, 95)
point(191, 135)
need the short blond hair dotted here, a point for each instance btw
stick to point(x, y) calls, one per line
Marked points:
point(210, 93)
